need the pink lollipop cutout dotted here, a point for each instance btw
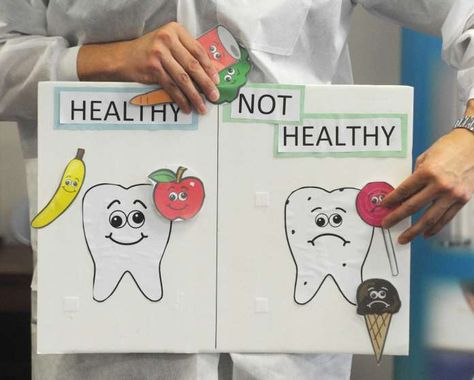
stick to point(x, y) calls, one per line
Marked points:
point(368, 206)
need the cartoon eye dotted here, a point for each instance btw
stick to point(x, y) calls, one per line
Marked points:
point(67, 182)
point(173, 196)
point(212, 49)
point(231, 71)
point(117, 219)
point(136, 219)
point(382, 294)
point(373, 294)
point(217, 55)
point(335, 220)
point(381, 198)
point(183, 196)
point(321, 220)
point(228, 78)
point(75, 184)
point(374, 200)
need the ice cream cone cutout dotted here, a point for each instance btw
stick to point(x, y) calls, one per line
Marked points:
point(230, 59)
point(377, 301)
point(368, 206)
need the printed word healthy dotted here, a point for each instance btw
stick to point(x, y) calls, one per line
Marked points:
point(111, 111)
point(343, 135)
point(348, 135)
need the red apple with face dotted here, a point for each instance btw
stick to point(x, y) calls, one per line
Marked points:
point(177, 197)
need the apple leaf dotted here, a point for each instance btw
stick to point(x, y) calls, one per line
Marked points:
point(163, 175)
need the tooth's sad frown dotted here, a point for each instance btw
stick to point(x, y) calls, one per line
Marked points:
point(327, 238)
point(124, 234)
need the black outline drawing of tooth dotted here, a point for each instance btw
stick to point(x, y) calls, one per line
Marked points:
point(124, 234)
point(327, 239)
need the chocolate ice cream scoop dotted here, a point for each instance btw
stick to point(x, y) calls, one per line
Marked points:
point(377, 296)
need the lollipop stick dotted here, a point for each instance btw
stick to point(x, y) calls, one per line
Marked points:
point(392, 259)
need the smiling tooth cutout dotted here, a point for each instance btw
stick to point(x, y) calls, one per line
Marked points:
point(327, 238)
point(124, 234)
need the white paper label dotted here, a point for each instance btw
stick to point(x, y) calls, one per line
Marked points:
point(342, 135)
point(267, 104)
point(104, 109)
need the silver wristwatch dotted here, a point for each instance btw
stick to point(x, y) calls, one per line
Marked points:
point(466, 122)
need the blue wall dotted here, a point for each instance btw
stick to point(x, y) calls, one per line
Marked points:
point(420, 63)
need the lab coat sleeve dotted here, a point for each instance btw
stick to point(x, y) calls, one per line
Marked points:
point(29, 55)
point(453, 19)
point(458, 45)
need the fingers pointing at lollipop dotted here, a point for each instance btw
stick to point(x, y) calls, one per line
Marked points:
point(443, 182)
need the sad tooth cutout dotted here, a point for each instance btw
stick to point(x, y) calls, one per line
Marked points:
point(124, 234)
point(327, 239)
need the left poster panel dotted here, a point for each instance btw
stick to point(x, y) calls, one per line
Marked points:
point(126, 223)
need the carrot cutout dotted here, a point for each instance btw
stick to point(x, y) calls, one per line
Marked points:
point(150, 98)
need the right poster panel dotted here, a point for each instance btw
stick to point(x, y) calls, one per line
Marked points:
point(303, 263)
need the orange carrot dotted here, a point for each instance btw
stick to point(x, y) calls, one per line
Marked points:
point(152, 98)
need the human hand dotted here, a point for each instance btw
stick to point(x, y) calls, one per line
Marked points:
point(168, 56)
point(443, 181)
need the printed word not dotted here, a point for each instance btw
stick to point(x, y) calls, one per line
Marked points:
point(267, 104)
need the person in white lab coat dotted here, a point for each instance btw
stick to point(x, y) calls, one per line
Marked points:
point(289, 41)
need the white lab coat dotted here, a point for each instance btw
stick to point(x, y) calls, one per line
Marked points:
point(290, 41)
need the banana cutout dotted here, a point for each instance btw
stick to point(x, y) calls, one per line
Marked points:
point(69, 187)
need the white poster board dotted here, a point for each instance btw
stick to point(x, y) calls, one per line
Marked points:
point(273, 259)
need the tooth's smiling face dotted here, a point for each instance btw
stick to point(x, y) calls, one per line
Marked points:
point(124, 234)
point(327, 238)
point(127, 222)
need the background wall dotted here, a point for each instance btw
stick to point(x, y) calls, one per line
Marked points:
point(12, 177)
point(375, 47)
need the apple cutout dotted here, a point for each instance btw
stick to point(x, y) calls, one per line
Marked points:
point(177, 197)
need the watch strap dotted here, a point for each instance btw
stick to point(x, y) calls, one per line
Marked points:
point(466, 122)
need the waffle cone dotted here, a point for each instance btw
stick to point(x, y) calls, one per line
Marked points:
point(377, 326)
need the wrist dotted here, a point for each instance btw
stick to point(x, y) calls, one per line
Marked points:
point(101, 62)
point(462, 133)
point(463, 136)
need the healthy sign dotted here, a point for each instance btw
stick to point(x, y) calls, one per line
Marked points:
point(330, 134)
